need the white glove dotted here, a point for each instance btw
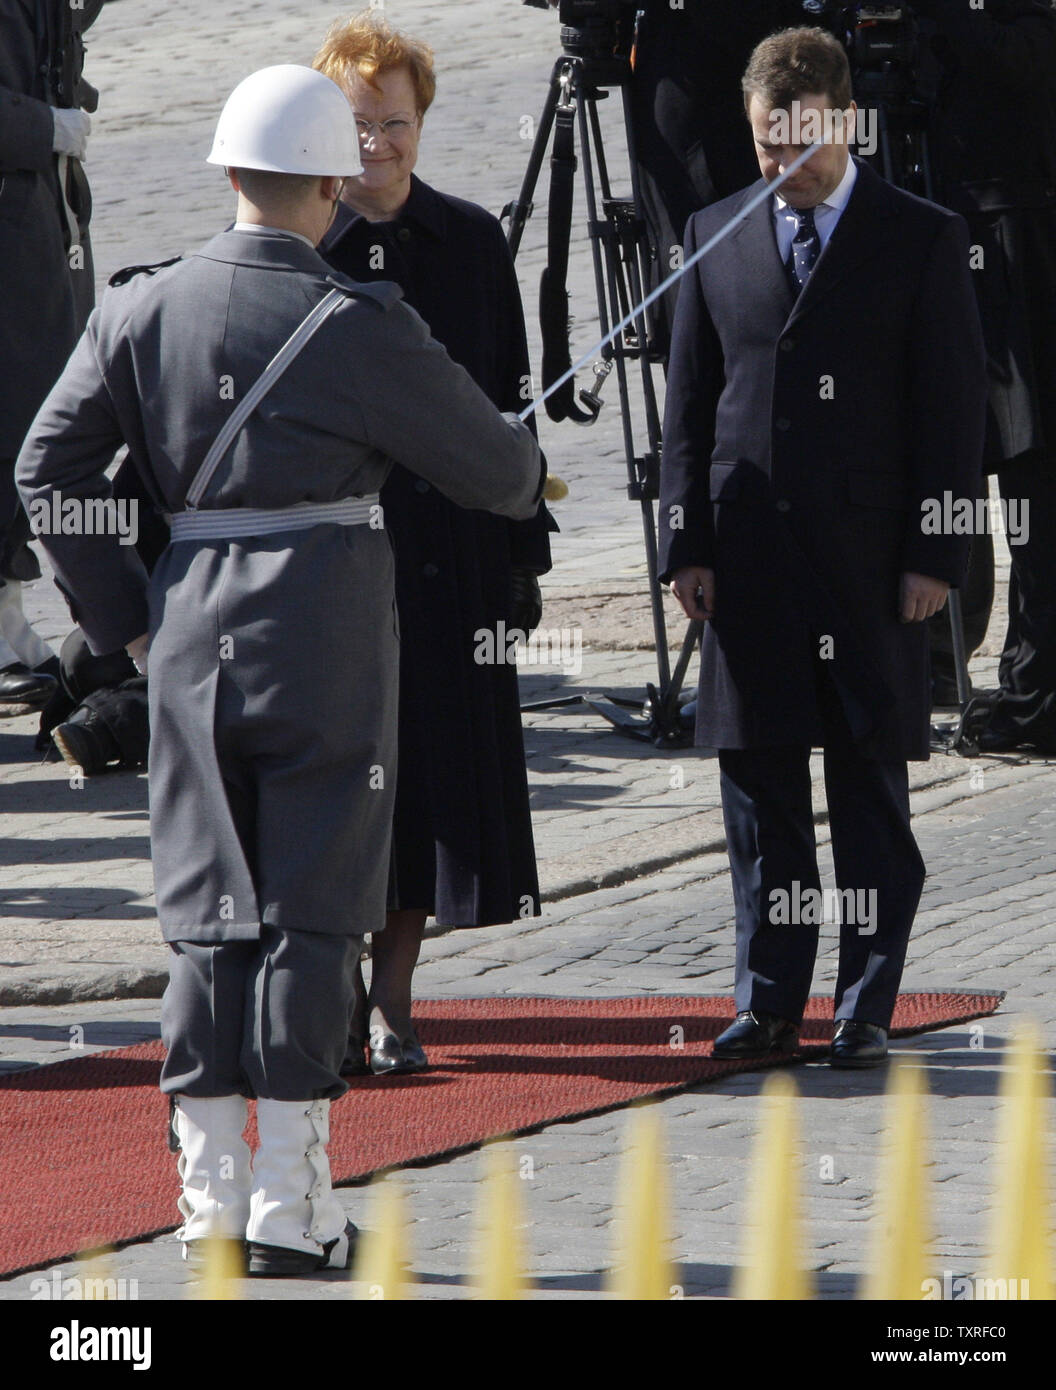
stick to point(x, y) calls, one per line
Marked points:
point(137, 650)
point(72, 128)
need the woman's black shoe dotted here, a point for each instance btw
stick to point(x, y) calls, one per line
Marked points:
point(391, 1057)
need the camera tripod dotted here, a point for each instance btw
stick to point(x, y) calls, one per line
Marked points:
point(621, 256)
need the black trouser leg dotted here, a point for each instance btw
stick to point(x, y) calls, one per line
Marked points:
point(880, 877)
point(766, 805)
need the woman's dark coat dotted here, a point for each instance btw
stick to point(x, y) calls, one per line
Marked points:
point(462, 841)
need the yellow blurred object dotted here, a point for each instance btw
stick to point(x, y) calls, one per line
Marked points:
point(381, 1262)
point(1020, 1257)
point(898, 1263)
point(96, 1273)
point(643, 1269)
point(500, 1244)
point(555, 488)
point(772, 1267)
point(222, 1266)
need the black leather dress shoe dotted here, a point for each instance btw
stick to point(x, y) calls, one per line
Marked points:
point(232, 1257)
point(277, 1262)
point(21, 686)
point(756, 1034)
point(857, 1044)
point(386, 1055)
point(389, 1056)
point(413, 1055)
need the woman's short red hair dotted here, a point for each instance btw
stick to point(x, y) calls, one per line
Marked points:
point(367, 46)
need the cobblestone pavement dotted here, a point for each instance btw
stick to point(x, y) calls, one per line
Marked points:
point(629, 838)
point(985, 923)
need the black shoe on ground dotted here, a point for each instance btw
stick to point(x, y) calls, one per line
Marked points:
point(199, 1254)
point(756, 1034)
point(414, 1055)
point(857, 1044)
point(85, 742)
point(279, 1262)
point(21, 686)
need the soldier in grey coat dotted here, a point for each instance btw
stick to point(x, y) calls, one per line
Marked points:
point(273, 650)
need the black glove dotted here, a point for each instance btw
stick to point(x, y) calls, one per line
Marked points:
point(526, 602)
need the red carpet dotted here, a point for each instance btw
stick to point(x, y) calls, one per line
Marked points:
point(83, 1157)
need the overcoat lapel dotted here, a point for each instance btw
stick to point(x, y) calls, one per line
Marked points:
point(756, 247)
point(858, 236)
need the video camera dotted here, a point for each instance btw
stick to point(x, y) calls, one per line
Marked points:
point(882, 43)
point(599, 31)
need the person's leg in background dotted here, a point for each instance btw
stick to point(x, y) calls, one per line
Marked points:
point(28, 666)
point(1025, 709)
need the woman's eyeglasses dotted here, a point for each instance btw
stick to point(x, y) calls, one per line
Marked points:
point(395, 129)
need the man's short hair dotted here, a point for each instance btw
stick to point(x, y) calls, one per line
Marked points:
point(796, 63)
point(268, 189)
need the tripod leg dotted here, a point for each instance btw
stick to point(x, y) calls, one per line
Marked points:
point(960, 656)
point(520, 209)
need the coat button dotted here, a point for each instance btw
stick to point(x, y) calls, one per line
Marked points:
point(783, 422)
point(783, 504)
point(787, 344)
point(404, 234)
point(420, 485)
point(430, 571)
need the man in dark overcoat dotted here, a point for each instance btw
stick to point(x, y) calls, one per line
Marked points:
point(273, 636)
point(826, 382)
point(46, 276)
point(997, 71)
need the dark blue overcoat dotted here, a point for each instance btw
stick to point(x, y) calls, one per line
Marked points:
point(801, 441)
point(462, 835)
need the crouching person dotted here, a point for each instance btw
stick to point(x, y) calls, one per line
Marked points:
point(264, 400)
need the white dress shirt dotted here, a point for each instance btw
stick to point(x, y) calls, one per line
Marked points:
point(274, 231)
point(826, 214)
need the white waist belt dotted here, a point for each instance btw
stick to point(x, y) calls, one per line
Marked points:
point(223, 523)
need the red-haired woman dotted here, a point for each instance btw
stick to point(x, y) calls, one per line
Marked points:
point(462, 834)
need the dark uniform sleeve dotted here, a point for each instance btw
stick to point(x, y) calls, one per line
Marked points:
point(27, 132)
point(427, 413)
point(694, 384)
point(67, 451)
point(947, 374)
point(529, 540)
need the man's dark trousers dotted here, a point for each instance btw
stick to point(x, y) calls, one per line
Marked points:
point(766, 802)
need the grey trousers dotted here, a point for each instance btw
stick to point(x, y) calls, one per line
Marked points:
point(265, 1018)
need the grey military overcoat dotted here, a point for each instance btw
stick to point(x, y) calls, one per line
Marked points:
point(273, 661)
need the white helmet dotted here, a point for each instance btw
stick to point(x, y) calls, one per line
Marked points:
point(289, 120)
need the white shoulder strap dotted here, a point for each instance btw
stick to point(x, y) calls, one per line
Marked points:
point(256, 393)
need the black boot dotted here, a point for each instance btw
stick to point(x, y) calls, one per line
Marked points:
point(85, 742)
